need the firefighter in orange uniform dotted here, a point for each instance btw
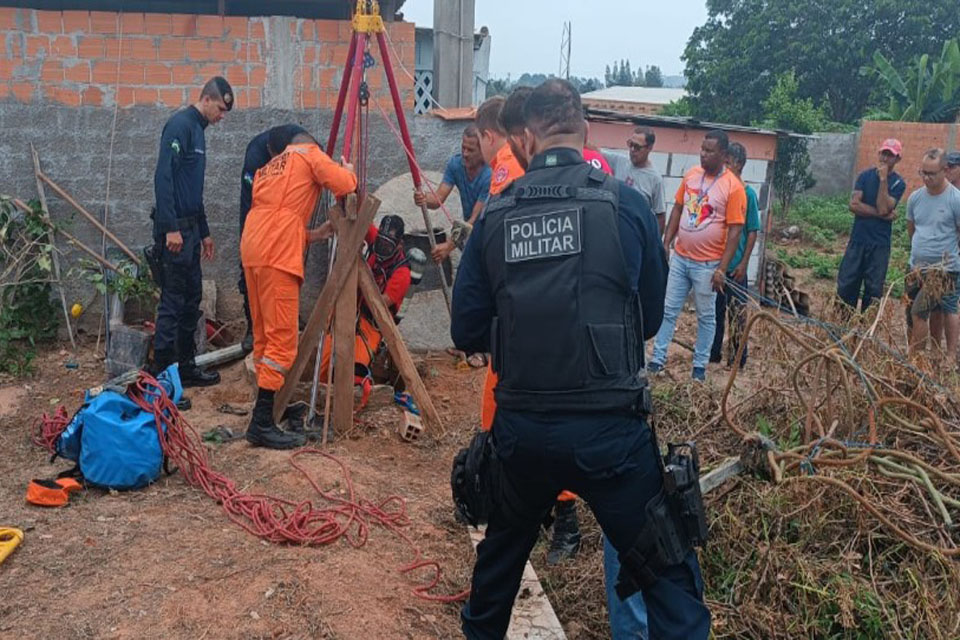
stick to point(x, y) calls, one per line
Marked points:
point(275, 235)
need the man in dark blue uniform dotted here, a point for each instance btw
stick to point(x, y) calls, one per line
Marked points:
point(562, 279)
point(180, 231)
point(259, 152)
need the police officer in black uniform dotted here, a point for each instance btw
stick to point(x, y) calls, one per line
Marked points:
point(562, 279)
point(180, 231)
point(259, 153)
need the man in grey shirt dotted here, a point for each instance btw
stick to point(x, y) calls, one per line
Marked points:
point(933, 222)
point(639, 173)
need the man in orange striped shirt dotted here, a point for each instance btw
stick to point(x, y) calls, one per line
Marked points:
point(275, 236)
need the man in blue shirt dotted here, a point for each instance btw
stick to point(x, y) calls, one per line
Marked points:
point(180, 231)
point(733, 297)
point(467, 172)
point(873, 203)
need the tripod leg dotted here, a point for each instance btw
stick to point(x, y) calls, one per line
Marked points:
point(405, 135)
point(342, 97)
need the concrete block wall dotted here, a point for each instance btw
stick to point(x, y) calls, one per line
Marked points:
point(832, 158)
point(74, 140)
point(99, 58)
point(916, 137)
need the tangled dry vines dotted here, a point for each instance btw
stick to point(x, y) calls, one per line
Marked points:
point(858, 537)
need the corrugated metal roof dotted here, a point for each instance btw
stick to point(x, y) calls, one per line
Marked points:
point(692, 123)
point(646, 95)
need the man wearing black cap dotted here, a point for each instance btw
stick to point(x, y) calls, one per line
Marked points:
point(180, 231)
point(259, 152)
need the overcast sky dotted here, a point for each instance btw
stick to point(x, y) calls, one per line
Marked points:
point(526, 33)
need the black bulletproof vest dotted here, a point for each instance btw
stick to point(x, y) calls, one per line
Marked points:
point(568, 335)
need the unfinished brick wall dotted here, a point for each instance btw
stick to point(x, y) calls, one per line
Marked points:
point(916, 137)
point(96, 58)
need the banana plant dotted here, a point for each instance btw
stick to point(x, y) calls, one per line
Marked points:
point(925, 92)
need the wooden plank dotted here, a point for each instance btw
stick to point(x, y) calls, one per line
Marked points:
point(345, 336)
point(348, 246)
point(89, 216)
point(56, 254)
point(398, 349)
point(93, 254)
point(727, 469)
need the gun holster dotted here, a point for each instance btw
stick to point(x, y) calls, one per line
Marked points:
point(675, 522)
point(151, 253)
point(475, 479)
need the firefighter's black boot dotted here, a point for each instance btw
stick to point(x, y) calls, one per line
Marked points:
point(566, 532)
point(262, 431)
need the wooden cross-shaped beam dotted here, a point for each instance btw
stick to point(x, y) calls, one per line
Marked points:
point(349, 244)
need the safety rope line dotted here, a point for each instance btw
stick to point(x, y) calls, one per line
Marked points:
point(399, 61)
point(272, 518)
point(413, 160)
point(49, 428)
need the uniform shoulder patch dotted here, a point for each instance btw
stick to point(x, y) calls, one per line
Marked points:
point(542, 235)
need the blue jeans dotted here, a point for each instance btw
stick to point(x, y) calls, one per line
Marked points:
point(686, 274)
point(628, 618)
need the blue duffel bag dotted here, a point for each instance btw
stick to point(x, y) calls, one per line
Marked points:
point(114, 442)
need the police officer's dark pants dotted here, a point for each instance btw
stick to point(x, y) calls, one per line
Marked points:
point(731, 304)
point(863, 265)
point(180, 294)
point(610, 462)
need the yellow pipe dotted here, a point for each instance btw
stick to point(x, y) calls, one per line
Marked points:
point(10, 539)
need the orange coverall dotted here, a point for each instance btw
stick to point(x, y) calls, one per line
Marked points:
point(285, 192)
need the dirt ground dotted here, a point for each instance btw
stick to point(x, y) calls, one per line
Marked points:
point(165, 562)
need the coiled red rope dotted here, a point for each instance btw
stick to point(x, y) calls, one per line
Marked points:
point(277, 519)
point(49, 429)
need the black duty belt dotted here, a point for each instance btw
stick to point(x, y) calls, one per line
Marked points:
point(188, 222)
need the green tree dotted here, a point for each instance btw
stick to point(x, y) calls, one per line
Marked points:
point(499, 87)
point(613, 78)
point(925, 92)
point(784, 109)
point(733, 61)
point(585, 85)
point(681, 108)
point(626, 75)
point(653, 77)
